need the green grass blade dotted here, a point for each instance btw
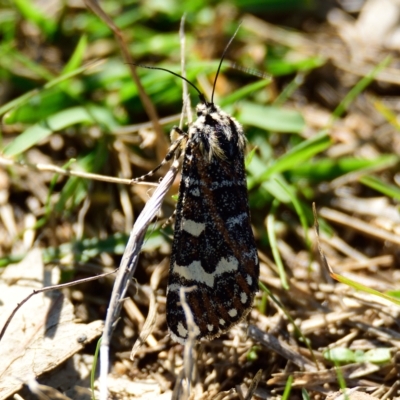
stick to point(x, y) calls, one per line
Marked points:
point(326, 169)
point(43, 129)
point(380, 186)
point(298, 154)
point(299, 210)
point(359, 87)
point(59, 121)
point(274, 246)
point(359, 286)
point(77, 57)
point(19, 101)
point(288, 388)
point(388, 114)
point(33, 13)
point(244, 92)
point(94, 368)
point(289, 89)
point(34, 67)
point(270, 118)
point(341, 381)
point(250, 156)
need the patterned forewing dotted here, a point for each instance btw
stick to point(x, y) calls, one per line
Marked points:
point(213, 248)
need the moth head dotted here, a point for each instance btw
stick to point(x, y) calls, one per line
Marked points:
point(205, 108)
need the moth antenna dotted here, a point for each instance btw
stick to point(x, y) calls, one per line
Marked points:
point(201, 95)
point(251, 71)
point(222, 59)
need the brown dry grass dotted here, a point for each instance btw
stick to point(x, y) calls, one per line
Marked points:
point(362, 245)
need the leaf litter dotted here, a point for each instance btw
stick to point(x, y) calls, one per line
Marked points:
point(325, 332)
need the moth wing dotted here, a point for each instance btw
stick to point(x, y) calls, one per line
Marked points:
point(214, 250)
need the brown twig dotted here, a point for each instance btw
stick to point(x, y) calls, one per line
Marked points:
point(47, 289)
point(68, 172)
point(147, 104)
point(127, 268)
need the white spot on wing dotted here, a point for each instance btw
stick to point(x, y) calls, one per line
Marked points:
point(195, 272)
point(210, 327)
point(232, 313)
point(182, 335)
point(196, 330)
point(243, 297)
point(175, 287)
point(192, 227)
point(220, 184)
point(222, 321)
point(190, 181)
point(238, 219)
point(249, 280)
point(195, 192)
point(182, 331)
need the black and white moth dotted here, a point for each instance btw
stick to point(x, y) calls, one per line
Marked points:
point(213, 251)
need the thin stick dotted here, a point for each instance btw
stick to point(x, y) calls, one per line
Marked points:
point(189, 354)
point(185, 94)
point(68, 172)
point(127, 268)
point(147, 104)
point(47, 289)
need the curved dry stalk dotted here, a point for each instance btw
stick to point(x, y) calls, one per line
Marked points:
point(127, 268)
point(148, 324)
point(69, 172)
point(47, 289)
point(147, 103)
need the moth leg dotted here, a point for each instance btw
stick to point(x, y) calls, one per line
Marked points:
point(177, 132)
point(169, 220)
point(174, 150)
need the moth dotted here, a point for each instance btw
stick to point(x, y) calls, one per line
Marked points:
point(214, 254)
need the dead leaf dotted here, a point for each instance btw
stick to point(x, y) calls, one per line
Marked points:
point(43, 333)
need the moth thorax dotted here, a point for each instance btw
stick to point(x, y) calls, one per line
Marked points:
point(206, 108)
